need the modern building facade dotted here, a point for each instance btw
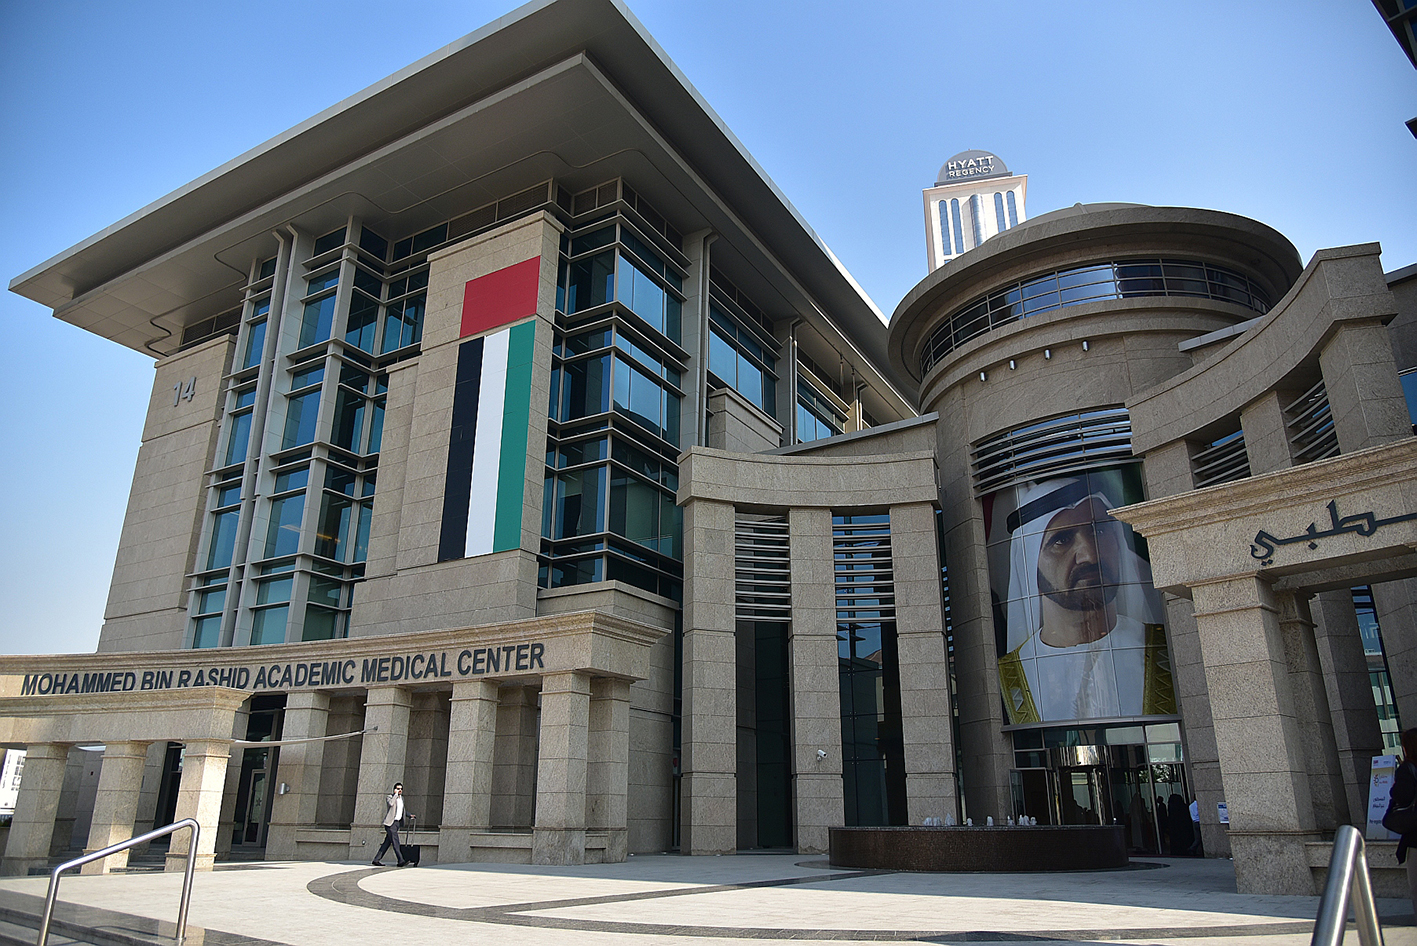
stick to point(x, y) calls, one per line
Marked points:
point(533, 452)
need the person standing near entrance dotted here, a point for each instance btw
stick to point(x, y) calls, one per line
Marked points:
point(1404, 792)
point(393, 822)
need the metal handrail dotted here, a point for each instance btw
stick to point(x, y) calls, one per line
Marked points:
point(1347, 880)
point(123, 846)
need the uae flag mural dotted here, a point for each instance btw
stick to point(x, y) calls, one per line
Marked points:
point(482, 503)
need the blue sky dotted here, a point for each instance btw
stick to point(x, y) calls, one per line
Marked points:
point(1290, 113)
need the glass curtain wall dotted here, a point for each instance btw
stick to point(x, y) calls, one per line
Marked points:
point(617, 380)
point(304, 419)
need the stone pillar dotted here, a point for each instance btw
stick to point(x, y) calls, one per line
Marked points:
point(120, 781)
point(1356, 734)
point(199, 796)
point(1198, 732)
point(1364, 395)
point(62, 838)
point(514, 758)
point(926, 720)
point(1396, 605)
point(1258, 735)
point(32, 827)
point(227, 829)
point(559, 835)
point(709, 800)
point(1311, 708)
point(815, 681)
point(608, 765)
point(307, 715)
point(1267, 443)
point(467, 799)
point(380, 766)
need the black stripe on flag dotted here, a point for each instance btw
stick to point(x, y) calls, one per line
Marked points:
point(457, 492)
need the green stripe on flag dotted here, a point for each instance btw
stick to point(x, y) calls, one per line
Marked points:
point(516, 418)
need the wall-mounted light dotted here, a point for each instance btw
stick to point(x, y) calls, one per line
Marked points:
point(1084, 344)
point(983, 376)
point(1011, 364)
point(284, 789)
point(1047, 354)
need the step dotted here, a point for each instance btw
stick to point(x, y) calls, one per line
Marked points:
point(20, 916)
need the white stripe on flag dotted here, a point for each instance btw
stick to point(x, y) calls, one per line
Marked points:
point(487, 448)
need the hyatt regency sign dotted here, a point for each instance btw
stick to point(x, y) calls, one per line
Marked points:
point(527, 657)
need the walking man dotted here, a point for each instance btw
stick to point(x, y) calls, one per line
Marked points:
point(393, 821)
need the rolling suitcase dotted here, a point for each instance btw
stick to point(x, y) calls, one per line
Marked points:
point(411, 852)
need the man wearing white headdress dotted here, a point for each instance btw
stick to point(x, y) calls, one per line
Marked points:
point(1083, 640)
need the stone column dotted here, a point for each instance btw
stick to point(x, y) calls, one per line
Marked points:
point(1311, 708)
point(307, 715)
point(559, 835)
point(467, 799)
point(1364, 395)
point(380, 766)
point(709, 788)
point(1198, 732)
point(926, 720)
point(1258, 735)
point(227, 829)
point(65, 815)
point(1357, 736)
point(120, 781)
point(815, 682)
point(1396, 605)
point(199, 796)
point(608, 765)
point(1267, 445)
point(32, 827)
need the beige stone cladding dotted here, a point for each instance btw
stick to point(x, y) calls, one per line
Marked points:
point(1067, 360)
point(407, 588)
point(1249, 554)
point(809, 484)
point(737, 425)
point(147, 599)
point(651, 775)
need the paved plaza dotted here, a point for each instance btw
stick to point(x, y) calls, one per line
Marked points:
point(662, 899)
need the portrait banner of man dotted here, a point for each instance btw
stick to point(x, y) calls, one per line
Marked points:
point(1079, 625)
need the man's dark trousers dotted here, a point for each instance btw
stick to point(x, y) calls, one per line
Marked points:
point(391, 838)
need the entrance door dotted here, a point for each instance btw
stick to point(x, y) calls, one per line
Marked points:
point(255, 816)
point(1082, 795)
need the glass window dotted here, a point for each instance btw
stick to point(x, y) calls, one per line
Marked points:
point(300, 418)
point(634, 509)
point(223, 538)
point(333, 530)
point(999, 211)
point(207, 631)
point(945, 245)
point(349, 421)
point(329, 241)
point(376, 426)
point(363, 321)
point(585, 389)
point(268, 625)
point(976, 218)
point(590, 282)
point(579, 509)
point(958, 225)
point(255, 343)
point(283, 533)
point(321, 624)
point(1013, 209)
point(239, 438)
point(316, 322)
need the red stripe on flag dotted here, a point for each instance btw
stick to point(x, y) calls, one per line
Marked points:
point(498, 298)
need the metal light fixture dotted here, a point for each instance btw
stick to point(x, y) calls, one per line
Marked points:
point(1047, 354)
point(983, 376)
point(1011, 364)
point(1084, 344)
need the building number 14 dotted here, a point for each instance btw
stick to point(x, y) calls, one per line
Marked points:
point(183, 391)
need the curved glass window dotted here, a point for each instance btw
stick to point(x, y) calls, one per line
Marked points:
point(1124, 279)
point(1013, 209)
point(999, 211)
point(959, 227)
point(945, 245)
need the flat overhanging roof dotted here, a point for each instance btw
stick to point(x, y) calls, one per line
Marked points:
point(572, 89)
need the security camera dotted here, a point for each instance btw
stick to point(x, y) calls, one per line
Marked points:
point(821, 753)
